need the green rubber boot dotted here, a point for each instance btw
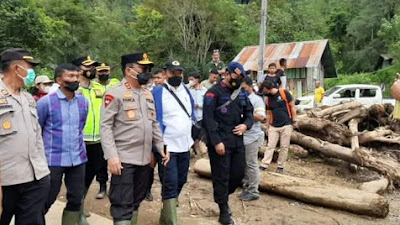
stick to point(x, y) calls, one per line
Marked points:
point(161, 220)
point(135, 216)
point(125, 222)
point(82, 216)
point(168, 213)
point(70, 218)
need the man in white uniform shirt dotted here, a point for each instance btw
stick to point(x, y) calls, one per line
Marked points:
point(175, 113)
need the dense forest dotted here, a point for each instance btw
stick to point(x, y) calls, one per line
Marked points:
point(188, 30)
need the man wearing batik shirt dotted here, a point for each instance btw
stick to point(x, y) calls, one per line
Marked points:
point(62, 116)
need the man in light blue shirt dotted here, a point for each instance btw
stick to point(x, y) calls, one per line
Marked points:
point(253, 139)
point(197, 91)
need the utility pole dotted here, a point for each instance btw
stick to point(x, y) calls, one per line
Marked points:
point(263, 36)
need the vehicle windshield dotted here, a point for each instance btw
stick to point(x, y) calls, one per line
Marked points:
point(331, 91)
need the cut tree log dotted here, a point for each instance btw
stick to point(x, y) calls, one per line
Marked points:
point(325, 129)
point(361, 156)
point(327, 195)
point(375, 186)
point(336, 108)
point(297, 151)
point(356, 113)
point(353, 125)
point(340, 112)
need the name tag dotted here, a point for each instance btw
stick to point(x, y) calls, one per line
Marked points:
point(6, 106)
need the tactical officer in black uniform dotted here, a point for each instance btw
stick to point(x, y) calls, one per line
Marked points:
point(227, 114)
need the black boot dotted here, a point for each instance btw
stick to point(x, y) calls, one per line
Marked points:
point(225, 215)
point(102, 192)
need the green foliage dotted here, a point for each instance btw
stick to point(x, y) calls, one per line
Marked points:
point(188, 30)
point(390, 34)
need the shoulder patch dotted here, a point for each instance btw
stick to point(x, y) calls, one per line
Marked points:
point(210, 95)
point(108, 99)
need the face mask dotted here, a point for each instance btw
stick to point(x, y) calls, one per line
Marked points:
point(30, 76)
point(89, 74)
point(175, 81)
point(72, 86)
point(46, 89)
point(142, 78)
point(235, 83)
point(104, 77)
point(191, 83)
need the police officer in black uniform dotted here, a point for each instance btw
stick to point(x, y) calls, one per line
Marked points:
point(227, 114)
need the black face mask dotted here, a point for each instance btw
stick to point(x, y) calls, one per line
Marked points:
point(104, 77)
point(235, 83)
point(72, 86)
point(175, 81)
point(89, 74)
point(143, 78)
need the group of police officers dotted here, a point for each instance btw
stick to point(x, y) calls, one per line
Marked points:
point(122, 127)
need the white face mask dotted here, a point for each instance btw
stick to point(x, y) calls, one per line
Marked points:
point(46, 89)
point(192, 83)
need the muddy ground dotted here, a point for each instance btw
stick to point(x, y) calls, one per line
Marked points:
point(197, 206)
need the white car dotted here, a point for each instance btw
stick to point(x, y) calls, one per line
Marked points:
point(305, 102)
point(365, 94)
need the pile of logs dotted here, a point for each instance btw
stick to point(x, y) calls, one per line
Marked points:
point(367, 137)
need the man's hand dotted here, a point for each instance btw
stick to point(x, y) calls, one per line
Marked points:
point(115, 165)
point(240, 129)
point(220, 149)
point(153, 161)
point(295, 124)
point(196, 106)
point(165, 158)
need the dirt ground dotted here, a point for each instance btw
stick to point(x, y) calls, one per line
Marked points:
point(198, 208)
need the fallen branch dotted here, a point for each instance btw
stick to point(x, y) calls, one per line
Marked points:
point(379, 135)
point(336, 108)
point(353, 125)
point(327, 195)
point(362, 157)
point(356, 113)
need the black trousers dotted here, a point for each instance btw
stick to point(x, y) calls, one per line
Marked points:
point(25, 201)
point(174, 176)
point(74, 182)
point(96, 165)
point(227, 171)
point(128, 190)
point(151, 180)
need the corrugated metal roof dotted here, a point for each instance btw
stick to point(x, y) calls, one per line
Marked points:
point(307, 54)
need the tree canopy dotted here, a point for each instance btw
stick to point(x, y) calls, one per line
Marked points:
point(188, 30)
